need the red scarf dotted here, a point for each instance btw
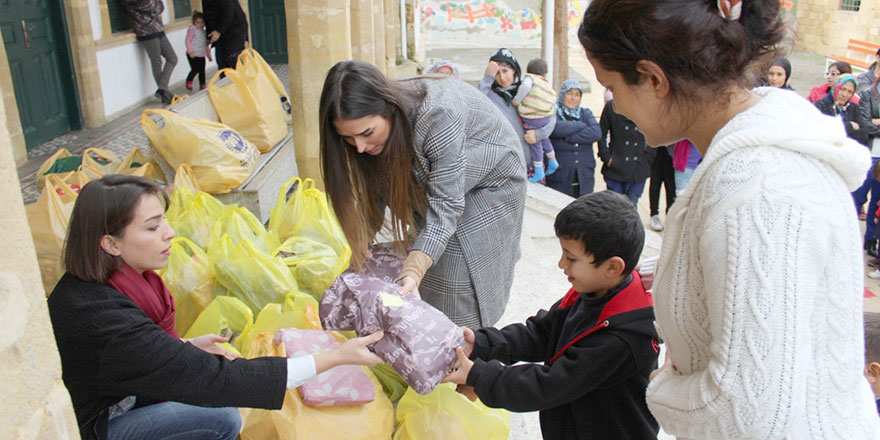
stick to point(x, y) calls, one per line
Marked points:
point(148, 291)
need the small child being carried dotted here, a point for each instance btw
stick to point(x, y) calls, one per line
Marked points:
point(589, 357)
point(535, 102)
point(196, 50)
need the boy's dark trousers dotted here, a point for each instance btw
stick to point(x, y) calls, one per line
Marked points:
point(196, 66)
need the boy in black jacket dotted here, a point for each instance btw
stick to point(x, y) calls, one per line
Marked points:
point(593, 351)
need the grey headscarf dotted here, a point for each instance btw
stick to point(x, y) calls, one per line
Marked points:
point(562, 112)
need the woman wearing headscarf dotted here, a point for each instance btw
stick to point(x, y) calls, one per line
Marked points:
point(443, 67)
point(831, 77)
point(573, 138)
point(500, 83)
point(779, 73)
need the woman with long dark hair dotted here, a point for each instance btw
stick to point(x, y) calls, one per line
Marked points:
point(451, 171)
point(758, 292)
point(128, 373)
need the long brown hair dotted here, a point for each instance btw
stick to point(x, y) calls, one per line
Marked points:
point(104, 207)
point(360, 185)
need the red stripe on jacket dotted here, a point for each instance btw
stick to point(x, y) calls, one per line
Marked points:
point(632, 297)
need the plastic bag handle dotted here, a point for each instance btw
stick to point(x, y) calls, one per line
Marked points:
point(53, 183)
point(282, 195)
point(193, 248)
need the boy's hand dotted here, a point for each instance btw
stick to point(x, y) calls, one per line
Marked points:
point(461, 370)
point(467, 391)
point(469, 340)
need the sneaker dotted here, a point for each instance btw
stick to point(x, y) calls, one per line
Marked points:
point(203, 87)
point(189, 85)
point(874, 275)
point(656, 224)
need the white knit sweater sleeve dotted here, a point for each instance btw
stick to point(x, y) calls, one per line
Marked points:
point(759, 257)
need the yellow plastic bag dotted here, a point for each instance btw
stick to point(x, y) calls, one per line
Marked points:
point(224, 315)
point(251, 64)
point(318, 222)
point(61, 162)
point(392, 384)
point(190, 278)
point(240, 105)
point(298, 311)
point(137, 164)
point(185, 178)
point(445, 414)
point(241, 224)
point(250, 274)
point(177, 99)
point(282, 218)
point(193, 215)
point(102, 161)
point(313, 264)
point(296, 421)
point(48, 219)
point(220, 158)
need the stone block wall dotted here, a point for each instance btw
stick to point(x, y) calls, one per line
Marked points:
point(823, 28)
point(34, 404)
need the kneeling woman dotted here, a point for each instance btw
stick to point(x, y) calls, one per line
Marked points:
point(114, 326)
point(449, 166)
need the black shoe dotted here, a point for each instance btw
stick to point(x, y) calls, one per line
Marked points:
point(164, 95)
point(871, 248)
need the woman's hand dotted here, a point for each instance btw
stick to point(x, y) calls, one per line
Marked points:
point(875, 121)
point(214, 36)
point(209, 344)
point(492, 69)
point(855, 126)
point(351, 352)
point(530, 137)
point(408, 285)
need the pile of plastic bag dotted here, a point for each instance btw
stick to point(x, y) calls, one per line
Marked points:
point(60, 179)
point(253, 109)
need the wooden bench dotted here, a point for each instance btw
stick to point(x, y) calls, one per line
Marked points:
point(260, 192)
point(859, 54)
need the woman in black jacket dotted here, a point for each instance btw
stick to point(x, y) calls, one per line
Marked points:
point(114, 326)
point(837, 103)
point(625, 155)
point(573, 137)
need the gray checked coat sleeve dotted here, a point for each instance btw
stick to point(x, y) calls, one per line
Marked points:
point(470, 160)
point(445, 164)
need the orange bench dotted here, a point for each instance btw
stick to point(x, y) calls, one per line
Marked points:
point(859, 54)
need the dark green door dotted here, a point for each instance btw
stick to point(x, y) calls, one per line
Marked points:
point(39, 60)
point(269, 29)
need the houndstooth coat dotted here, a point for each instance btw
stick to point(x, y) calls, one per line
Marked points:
point(471, 161)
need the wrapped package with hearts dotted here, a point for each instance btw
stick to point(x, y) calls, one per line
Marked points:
point(419, 341)
point(342, 385)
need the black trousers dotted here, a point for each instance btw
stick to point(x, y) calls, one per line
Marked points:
point(662, 173)
point(228, 50)
point(196, 66)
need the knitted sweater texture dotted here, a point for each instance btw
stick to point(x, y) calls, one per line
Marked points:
point(758, 292)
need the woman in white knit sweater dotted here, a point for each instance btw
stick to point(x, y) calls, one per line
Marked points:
point(758, 291)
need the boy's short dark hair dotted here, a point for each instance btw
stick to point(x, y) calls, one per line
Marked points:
point(872, 337)
point(537, 66)
point(607, 224)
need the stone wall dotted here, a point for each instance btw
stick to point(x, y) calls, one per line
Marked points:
point(34, 403)
point(823, 28)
